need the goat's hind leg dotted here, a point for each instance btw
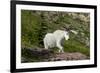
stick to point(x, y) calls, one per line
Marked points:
point(45, 45)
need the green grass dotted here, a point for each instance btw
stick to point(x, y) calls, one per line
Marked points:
point(75, 46)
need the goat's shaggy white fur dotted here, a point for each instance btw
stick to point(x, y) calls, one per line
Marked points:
point(54, 39)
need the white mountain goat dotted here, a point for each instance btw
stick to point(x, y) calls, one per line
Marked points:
point(54, 39)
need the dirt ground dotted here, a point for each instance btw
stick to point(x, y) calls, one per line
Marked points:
point(68, 56)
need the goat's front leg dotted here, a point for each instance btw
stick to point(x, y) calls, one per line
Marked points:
point(61, 50)
point(60, 47)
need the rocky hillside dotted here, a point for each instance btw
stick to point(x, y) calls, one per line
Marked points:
point(35, 24)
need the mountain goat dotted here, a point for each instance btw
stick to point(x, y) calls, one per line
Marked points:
point(54, 39)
